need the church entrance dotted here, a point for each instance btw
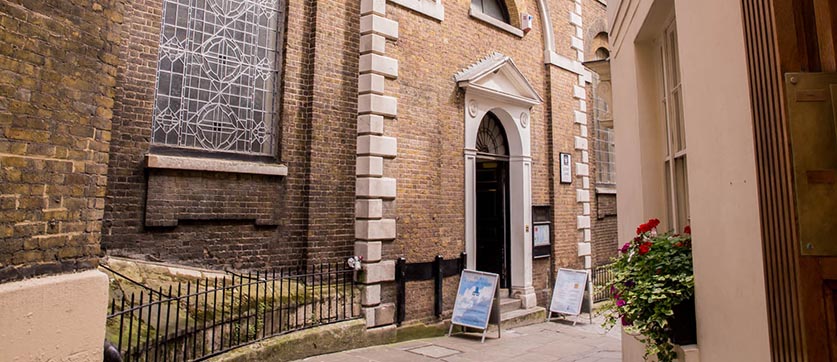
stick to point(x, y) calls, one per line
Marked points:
point(492, 196)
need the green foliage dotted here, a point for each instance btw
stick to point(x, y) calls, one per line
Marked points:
point(652, 274)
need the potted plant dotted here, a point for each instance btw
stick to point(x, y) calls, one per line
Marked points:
point(652, 290)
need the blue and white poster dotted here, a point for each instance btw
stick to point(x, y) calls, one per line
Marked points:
point(474, 299)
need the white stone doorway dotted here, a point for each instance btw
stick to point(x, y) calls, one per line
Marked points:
point(492, 197)
point(495, 88)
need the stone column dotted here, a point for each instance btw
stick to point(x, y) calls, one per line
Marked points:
point(520, 183)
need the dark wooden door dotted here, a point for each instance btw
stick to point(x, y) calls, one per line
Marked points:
point(492, 219)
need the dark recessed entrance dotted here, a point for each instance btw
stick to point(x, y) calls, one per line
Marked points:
point(492, 190)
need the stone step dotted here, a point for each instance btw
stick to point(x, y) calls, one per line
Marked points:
point(509, 304)
point(522, 317)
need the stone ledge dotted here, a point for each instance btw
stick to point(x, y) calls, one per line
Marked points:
point(214, 165)
point(51, 317)
point(475, 13)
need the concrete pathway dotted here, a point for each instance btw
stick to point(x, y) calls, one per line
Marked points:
point(551, 341)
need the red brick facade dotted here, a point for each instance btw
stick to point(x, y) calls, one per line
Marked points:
point(236, 220)
point(69, 172)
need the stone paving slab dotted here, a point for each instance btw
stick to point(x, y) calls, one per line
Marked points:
point(557, 341)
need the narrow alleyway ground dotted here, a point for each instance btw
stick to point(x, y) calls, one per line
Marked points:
point(558, 341)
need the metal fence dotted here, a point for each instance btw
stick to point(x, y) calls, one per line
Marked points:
point(602, 277)
point(206, 317)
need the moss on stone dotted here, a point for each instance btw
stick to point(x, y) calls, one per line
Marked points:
point(420, 330)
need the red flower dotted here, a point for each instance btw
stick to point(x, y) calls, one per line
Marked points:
point(644, 248)
point(648, 226)
point(678, 244)
point(687, 229)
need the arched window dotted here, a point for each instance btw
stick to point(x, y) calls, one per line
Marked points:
point(491, 138)
point(600, 43)
point(493, 8)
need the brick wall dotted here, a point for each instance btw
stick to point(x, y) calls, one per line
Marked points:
point(429, 128)
point(233, 220)
point(605, 239)
point(57, 76)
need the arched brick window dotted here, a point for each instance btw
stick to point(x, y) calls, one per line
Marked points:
point(494, 8)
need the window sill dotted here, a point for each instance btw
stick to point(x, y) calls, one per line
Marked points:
point(608, 190)
point(496, 23)
point(214, 165)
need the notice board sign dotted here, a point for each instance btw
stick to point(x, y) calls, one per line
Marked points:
point(474, 299)
point(568, 293)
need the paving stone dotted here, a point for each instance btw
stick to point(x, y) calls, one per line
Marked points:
point(549, 341)
point(435, 351)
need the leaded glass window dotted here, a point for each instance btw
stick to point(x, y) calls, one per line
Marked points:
point(491, 138)
point(216, 75)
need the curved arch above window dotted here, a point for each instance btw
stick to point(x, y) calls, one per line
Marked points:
point(491, 137)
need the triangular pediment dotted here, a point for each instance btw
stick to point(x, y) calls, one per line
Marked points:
point(498, 76)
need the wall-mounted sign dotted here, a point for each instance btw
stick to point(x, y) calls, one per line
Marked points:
point(541, 242)
point(540, 236)
point(566, 168)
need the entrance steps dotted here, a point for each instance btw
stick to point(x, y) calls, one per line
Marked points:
point(512, 314)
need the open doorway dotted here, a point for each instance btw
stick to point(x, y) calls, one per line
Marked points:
point(492, 196)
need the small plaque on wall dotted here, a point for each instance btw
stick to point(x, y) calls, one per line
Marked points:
point(566, 168)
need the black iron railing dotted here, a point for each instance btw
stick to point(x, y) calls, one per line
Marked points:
point(602, 277)
point(199, 319)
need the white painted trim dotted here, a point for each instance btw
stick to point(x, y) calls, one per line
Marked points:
point(570, 65)
point(214, 165)
point(520, 185)
point(476, 13)
point(548, 38)
point(500, 96)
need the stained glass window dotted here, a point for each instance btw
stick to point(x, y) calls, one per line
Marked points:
point(216, 74)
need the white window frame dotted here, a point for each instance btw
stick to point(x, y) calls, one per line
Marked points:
point(675, 169)
point(604, 143)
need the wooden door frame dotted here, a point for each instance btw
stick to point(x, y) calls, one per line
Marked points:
point(785, 36)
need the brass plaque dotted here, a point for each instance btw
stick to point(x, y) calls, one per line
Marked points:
point(813, 95)
point(812, 98)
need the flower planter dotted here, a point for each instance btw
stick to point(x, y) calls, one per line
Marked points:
point(658, 265)
point(682, 325)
